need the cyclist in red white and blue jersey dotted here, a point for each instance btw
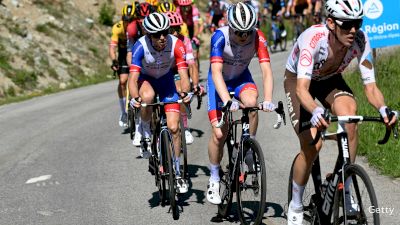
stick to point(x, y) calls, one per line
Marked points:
point(154, 57)
point(232, 49)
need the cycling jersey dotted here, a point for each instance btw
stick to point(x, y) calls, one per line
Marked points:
point(190, 18)
point(277, 6)
point(119, 39)
point(235, 57)
point(132, 33)
point(310, 52)
point(146, 60)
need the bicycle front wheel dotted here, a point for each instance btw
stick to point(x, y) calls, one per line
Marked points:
point(185, 171)
point(226, 185)
point(131, 122)
point(251, 184)
point(352, 207)
point(167, 146)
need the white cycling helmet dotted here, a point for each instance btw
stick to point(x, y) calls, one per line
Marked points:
point(344, 9)
point(155, 22)
point(242, 17)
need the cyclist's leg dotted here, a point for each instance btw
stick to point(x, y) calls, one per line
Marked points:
point(147, 94)
point(246, 91)
point(123, 72)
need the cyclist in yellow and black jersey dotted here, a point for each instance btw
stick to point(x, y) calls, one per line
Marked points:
point(119, 64)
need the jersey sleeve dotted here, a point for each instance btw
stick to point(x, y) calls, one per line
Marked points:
point(217, 47)
point(180, 55)
point(189, 50)
point(308, 48)
point(132, 34)
point(137, 56)
point(114, 34)
point(262, 47)
point(365, 62)
point(196, 14)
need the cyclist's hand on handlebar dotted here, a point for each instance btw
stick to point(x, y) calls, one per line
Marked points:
point(135, 102)
point(384, 111)
point(234, 105)
point(267, 106)
point(317, 119)
point(199, 89)
point(186, 97)
point(114, 65)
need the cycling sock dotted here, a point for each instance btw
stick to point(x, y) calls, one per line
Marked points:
point(214, 172)
point(297, 195)
point(146, 128)
point(122, 105)
point(184, 119)
point(253, 136)
point(177, 166)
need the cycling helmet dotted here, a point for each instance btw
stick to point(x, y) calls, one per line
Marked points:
point(155, 22)
point(128, 12)
point(166, 7)
point(184, 2)
point(344, 9)
point(242, 17)
point(145, 9)
point(152, 2)
point(175, 18)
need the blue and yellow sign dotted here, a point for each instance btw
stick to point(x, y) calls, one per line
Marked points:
point(382, 22)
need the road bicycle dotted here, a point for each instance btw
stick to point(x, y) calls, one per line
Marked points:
point(330, 201)
point(161, 163)
point(243, 171)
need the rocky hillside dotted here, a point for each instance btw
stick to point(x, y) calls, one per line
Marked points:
point(52, 44)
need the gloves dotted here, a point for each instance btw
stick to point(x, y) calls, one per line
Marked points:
point(267, 106)
point(114, 65)
point(199, 89)
point(196, 41)
point(234, 105)
point(135, 102)
point(316, 116)
point(186, 96)
point(382, 111)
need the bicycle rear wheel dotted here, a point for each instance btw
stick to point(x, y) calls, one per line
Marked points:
point(167, 147)
point(309, 199)
point(185, 171)
point(361, 198)
point(226, 184)
point(251, 185)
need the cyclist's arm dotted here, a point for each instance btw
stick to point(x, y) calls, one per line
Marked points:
point(309, 8)
point(216, 60)
point(304, 96)
point(114, 41)
point(193, 70)
point(135, 68)
point(181, 65)
point(196, 27)
point(264, 60)
point(374, 95)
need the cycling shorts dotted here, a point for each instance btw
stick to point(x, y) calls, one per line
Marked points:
point(123, 67)
point(324, 90)
point(242, 83)
point(299, 9)
point(165, 88)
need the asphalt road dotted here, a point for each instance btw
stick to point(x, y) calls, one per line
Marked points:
point(64, 160)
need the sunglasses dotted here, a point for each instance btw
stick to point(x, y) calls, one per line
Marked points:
point(243, 34)
point(158, 34)
point(348, 24)
point(176, 29)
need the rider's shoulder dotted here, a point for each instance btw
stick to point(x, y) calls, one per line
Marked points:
point(118, 25)
point(315, 33)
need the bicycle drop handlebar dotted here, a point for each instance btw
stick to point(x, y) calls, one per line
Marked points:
point(355, 119)
point(279, 111)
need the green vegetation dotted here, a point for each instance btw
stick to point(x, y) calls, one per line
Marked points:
point(385, 157)
point(24, 79)
point(107, 12)
point(55, 8)
point(43, 28)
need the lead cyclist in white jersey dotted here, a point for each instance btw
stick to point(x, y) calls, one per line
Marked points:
point(313, 70)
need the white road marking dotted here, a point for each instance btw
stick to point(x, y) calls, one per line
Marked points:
point(38, 179)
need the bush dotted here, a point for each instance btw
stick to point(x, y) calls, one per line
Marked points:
point(106, 14)
point(24, 79)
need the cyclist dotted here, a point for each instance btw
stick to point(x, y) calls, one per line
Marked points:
point(215, 12)
point(232, 48)
point(277, 12)
point(175, 21)
point(134, 32)
point(190, 14)
point(313, 70)
point(153, 58)
point(119, 64)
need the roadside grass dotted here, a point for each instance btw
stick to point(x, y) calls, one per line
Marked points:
point(386, 157)
point(103, 74)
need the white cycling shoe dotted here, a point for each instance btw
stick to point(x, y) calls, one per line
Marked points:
point(123, 120)
point(213, 193)
point(181, 185)
point(294, 216)
point(189, 137)
point(137, 138)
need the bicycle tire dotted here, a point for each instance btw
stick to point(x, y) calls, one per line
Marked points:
point(185, 171)
point(359, 176)
point(251, 212)
point(163, 163)
point(226, 186)
point(309, 206)
point(167, 147)
point(131, 122)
